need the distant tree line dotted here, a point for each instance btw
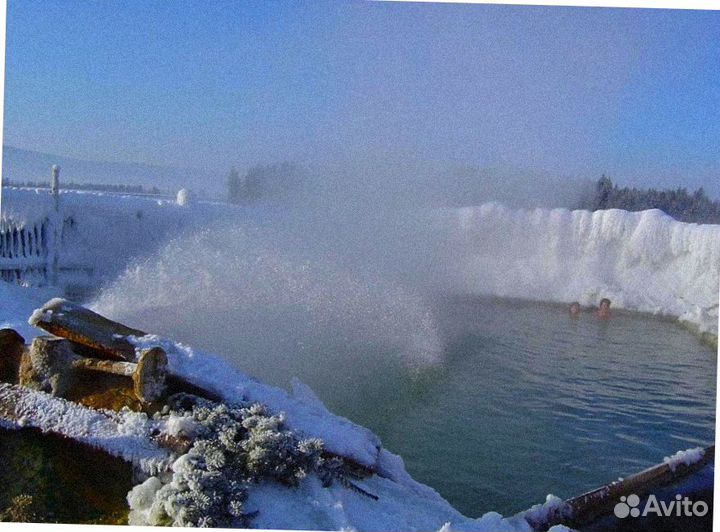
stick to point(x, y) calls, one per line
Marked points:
point(98, 187)
point(263, 181)
point(679, 203)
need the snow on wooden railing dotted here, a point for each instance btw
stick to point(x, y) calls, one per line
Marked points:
point(25, 250)
point(29, 249)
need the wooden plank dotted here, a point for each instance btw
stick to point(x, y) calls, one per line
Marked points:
point(102, 337)
point(107, 338)
point(582, 510)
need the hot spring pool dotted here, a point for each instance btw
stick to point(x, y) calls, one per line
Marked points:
point(526, 401)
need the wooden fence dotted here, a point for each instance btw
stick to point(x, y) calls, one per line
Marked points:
point(25, 253)
point(30, 250)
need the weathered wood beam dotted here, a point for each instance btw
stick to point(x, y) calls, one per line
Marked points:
point(21, 407)
point(51, 365)
point(584, 509)
point(85, 327)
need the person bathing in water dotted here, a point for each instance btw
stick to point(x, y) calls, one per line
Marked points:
point(603, 311)
point(574, 309)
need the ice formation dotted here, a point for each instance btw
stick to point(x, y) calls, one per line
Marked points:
point(688, 457)
point(644, 261)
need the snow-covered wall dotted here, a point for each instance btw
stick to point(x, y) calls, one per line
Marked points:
point(644, 261)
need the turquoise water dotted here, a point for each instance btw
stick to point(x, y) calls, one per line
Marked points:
point(528, 401)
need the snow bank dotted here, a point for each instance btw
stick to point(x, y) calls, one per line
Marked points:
point(403, 504)
point(304, 411)
point(644, 261)
point(312, 507)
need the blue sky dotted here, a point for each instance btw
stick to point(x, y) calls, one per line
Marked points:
point(571, 91)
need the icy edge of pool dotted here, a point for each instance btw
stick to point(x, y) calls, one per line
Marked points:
point(402, 504)
point(644, 261)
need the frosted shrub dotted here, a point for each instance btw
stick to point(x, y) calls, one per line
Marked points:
point(234, 447)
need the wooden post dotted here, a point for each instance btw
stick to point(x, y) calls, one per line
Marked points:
point(584, 509)
point(55, 184)
point(57, 225)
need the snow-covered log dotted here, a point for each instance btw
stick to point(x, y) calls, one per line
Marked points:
point(199, 373)
point(131, 436)
point(80, 325)
point(579, 512)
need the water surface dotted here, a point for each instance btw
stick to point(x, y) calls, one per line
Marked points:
point(527, 401)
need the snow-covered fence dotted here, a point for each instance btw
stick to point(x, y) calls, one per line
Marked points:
point(25, 250)
point(29, 249)
point(90, 237)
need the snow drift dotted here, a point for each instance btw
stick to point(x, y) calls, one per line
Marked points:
point(644, 261)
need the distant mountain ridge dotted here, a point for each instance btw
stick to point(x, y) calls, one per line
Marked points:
point(27, 165)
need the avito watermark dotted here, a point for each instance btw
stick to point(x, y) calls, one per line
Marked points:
point(679, 507)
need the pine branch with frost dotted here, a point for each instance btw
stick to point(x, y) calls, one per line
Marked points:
point(234, 447)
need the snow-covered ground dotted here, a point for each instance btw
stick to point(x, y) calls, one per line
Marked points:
point(103, 231)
